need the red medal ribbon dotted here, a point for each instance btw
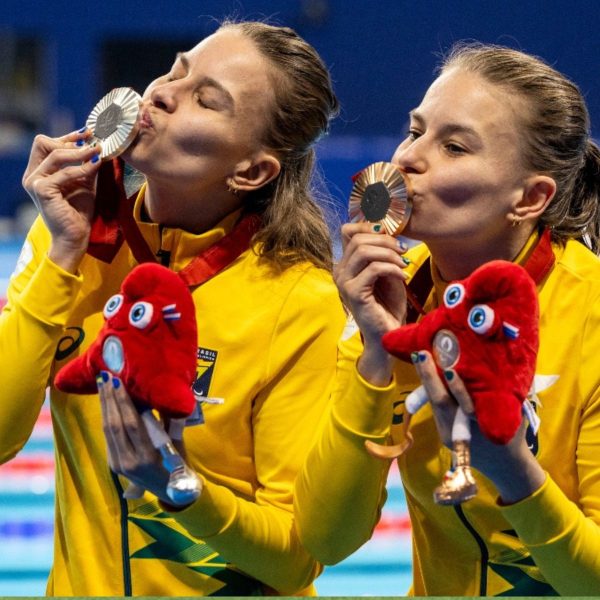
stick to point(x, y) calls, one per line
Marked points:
point(538, 265)
point(114, 223)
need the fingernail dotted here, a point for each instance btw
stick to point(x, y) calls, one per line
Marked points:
point(99, 381)
point(422, 357)
point(82, 130)
point(105, 376)
point(402, 245)
point(95, 158)
point(405, 260)
point(414, 356)
point(449, 375)
point(377, 228)
point(116, 383)
point(80, 142)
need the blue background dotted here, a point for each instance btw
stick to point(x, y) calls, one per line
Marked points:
point(382, 57)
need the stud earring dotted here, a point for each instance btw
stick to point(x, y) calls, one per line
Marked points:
point(232, 187)
point(516, 221)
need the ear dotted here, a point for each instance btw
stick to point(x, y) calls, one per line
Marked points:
point(264, 168)
point(537, 194)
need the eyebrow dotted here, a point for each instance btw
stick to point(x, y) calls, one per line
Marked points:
point(208, 82)
point(448, 128)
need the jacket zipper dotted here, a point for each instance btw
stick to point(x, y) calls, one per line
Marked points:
point(124, 537)
point(482, 549)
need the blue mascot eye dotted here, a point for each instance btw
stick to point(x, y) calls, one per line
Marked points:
point(454, 295)
point(113, 305)
point(481, 318)
point(140, 314)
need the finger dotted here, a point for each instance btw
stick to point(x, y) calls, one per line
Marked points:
point(361, 287)
point(132, 422)
point(444, 407)
point(83, 175)
point(366, 254)
point(113, 426)
point(44, 145)
point(459, 392)
point(113, 456)
point(349, 230)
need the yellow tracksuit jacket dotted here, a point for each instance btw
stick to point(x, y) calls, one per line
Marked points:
point(266, 344)
point(547, 544)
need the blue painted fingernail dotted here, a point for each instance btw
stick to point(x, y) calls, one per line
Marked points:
point(449, 375)
point(402, 245)
point(116, 383)
point(80, 142)
point(414, 356)
point(105, 376)
point(95, 158)
point(377, 228)
point(82, 130)
point(422, 357)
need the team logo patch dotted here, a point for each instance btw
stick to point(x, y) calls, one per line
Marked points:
point(204, 371)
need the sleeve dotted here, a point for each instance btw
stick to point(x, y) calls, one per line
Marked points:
point(260, 537)
point(565, 543)
point(39, 298)
point(341, 489)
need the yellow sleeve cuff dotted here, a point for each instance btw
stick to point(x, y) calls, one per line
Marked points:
point(560, 515)
point(363, 408)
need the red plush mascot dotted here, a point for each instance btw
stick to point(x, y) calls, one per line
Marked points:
point(487, 331)
point(149, 340)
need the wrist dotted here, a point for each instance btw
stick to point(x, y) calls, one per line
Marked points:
point(67, 256)
point(375, 365)
point(519, 482)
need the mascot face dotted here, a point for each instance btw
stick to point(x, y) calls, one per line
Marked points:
point(149, 339)
point(132, 321)
point(487, 330)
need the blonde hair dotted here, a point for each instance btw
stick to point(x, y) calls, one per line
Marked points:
point(556, 134)
point(294, 227)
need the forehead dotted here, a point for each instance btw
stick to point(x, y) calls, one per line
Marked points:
point(465, 98)
point(233, 60)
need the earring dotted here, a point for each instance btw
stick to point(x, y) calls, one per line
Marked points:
point(516, 221)
point(232, 187)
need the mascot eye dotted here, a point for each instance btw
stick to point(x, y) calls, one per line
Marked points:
point(454, 295)
point(113, 305)
point(140, 314)
point(481, 318)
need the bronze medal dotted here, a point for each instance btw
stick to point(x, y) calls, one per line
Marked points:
point(381, 194)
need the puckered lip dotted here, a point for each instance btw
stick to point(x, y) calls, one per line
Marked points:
point(146, 119)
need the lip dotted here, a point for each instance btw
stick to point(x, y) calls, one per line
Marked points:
point(146, 120)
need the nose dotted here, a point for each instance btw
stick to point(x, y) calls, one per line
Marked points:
point(164, 96)
point(410, 156)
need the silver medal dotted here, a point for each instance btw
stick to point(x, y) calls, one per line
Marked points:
point(114, 121)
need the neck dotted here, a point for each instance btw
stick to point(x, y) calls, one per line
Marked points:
point(457, 259)
point(187, 209)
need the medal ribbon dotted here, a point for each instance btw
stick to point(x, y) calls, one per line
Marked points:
point(114, 223)
point(538, 265)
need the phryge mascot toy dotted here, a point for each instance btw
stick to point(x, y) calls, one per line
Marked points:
point(149, 340)
point(487, 331)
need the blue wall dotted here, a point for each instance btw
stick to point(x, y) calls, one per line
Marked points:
point(381, 53)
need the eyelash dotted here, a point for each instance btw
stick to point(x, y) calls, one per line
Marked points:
point(451, 147)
